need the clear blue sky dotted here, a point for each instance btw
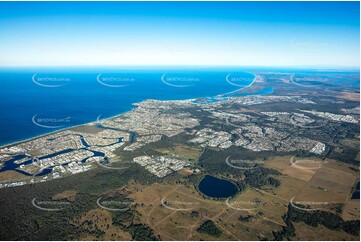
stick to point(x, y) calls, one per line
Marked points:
point(180, 33)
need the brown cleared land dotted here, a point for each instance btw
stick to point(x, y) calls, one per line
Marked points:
point(68, 195)
point(289, 187)
point(299, 173)
point(351, 210)
point(12, 175)
point(320, 233)
point(341, 167)
point(188, 210)
point(99, 220)
point(182, 152)
point(331, 183)
point(350, 96)
point(327, 186)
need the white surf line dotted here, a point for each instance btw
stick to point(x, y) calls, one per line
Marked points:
point(41, 135)
point(96, 120)
point(254, 80)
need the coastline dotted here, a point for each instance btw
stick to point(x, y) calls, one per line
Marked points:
point(133, 104)
point(242, 88)
point(41, 135)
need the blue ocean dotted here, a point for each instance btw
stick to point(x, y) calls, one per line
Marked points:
point(36, 101)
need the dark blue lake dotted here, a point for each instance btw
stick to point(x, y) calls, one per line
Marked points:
point(217, 188)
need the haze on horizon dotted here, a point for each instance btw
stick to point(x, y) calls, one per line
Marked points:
point(322, 34)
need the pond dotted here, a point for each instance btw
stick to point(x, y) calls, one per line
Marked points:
point(217, 188)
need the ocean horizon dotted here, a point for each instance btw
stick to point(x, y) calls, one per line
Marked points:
point(38, 101)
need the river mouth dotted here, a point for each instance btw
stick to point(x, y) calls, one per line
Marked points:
point(217, 188)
